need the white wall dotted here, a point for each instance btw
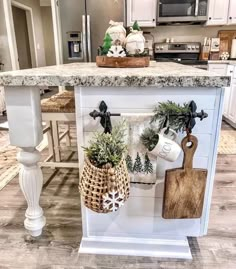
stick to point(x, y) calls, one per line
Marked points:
point(186, 33)
point(4, 49)
point(35, 5)
point(49, 45)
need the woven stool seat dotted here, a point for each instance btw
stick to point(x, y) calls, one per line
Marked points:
point(59, 103)
point(59, 108)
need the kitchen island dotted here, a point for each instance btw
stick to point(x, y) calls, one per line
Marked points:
point(137, 228)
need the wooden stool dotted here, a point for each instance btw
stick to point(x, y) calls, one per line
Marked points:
point(58, 108)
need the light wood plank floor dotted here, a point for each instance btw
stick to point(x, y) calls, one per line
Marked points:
point(58, 246)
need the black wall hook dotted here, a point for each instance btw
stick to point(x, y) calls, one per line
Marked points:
point(105, 117)
point(189, 116)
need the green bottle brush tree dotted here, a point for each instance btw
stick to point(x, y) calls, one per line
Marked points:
point(106, 44)
point(138, 166)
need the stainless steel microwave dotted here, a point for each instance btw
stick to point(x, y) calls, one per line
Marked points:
point(182, 10)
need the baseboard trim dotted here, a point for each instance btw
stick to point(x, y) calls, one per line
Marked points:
point(177, 248)
point(229, 122)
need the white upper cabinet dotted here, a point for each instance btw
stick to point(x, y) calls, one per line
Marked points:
point(232, 12)
point(144, 12)
point(218, 12)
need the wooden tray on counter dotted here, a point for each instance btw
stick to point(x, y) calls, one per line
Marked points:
point(122, 62)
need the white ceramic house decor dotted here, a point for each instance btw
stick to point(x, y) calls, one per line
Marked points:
point(117, 32)
point(135, 42)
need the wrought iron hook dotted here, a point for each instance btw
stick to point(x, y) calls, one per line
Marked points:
point(190, 121)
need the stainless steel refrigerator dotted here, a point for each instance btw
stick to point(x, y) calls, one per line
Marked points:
point(83, 26)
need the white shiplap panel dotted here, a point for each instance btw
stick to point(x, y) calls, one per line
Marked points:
point(141, 215)
point(133, 220)
point(146, 97)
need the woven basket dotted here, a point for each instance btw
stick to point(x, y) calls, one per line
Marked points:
point(96, 182)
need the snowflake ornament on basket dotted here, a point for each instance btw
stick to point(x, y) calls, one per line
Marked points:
point(116, 51)
point(113, 200)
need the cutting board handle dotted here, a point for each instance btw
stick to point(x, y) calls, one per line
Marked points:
point(189, 150)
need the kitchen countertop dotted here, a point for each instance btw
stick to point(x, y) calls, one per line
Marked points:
point(162, 74)
point(222, 61)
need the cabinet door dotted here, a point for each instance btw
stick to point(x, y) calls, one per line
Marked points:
point(230, 71)
point(218, 12)
point(144, 12)
point(232, 102)
point(232, 12)
point(220, 69)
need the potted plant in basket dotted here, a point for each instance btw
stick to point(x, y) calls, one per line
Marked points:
point(104, 184)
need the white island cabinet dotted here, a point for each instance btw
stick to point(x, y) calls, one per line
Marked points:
point(137, 228)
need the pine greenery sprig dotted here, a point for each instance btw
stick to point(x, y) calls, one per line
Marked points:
point(150, 138)
point(176, 122)
point(107, 148)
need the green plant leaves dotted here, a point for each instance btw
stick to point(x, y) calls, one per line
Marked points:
point(173, 111)
point(150, 138)
point(107, 148)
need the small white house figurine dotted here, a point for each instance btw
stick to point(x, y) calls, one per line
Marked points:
point(117, 32)
point(135, 42)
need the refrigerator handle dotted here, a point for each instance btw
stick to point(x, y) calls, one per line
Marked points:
point(196, 7)
point(84, 38)
point(89, 39)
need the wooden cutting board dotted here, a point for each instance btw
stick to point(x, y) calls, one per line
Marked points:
point(185, 187)
point(226, 37)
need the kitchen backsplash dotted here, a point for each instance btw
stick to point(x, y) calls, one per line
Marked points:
point(186, 33)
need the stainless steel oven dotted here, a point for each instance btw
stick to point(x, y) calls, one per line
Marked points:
point(182, 10)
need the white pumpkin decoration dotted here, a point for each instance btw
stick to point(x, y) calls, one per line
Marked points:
point(117, 32)
point(135, 42)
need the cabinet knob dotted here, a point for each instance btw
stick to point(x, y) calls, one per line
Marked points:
point(230, 18)
point(209, 18)
point(153, 19)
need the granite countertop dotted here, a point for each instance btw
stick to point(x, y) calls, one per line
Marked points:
point(222, 62)
point(163, 74)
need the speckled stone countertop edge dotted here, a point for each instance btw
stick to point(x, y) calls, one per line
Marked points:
point(129, 81)
point(88, 75)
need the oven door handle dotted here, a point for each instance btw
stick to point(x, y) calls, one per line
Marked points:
point(196, 8)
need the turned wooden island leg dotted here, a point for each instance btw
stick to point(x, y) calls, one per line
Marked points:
point(25, 131)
